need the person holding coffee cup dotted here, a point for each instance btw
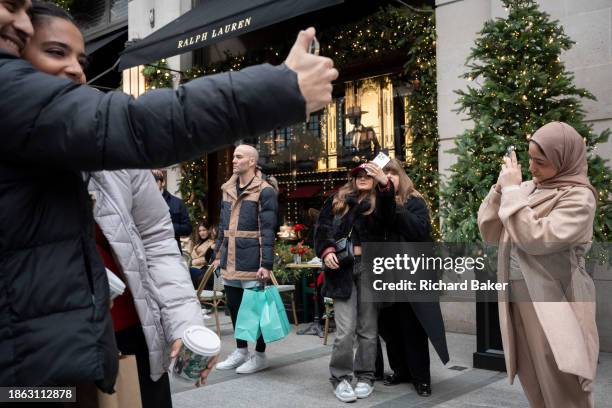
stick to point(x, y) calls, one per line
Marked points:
point(128, 209)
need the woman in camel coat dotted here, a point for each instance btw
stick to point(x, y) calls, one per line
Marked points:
point(544, 228)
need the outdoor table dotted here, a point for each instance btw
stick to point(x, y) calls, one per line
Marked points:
point(315, 326)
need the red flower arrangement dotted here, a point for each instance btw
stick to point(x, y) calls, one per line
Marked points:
point(300, 248)
point(299, 227)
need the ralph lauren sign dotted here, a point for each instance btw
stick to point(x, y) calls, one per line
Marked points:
point(217, 20)
point(223, 30)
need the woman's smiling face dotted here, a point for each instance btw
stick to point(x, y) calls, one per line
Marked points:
point(57, 48)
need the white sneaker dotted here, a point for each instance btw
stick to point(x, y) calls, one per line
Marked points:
point(256, 362)
point(236, 359)
point(344, 392)
point(363, 389)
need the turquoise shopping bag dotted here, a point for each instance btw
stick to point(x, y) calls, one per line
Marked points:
point(249, 315)
point(274, 323)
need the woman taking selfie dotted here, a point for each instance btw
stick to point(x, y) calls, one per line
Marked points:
point(407, 338)
point(544, 228)
point(133, 231)
point(346, 219)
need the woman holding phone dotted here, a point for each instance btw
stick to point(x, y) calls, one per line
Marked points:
point(544, 228)
point(348, 219)
point(407, 338)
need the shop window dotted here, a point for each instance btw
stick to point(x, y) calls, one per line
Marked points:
point(97, 17)
point(119, 10)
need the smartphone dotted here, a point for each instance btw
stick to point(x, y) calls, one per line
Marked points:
point(509, 151)
point(314, 47)
point(381, 160)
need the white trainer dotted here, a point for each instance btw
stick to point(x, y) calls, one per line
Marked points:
point(344, 392)
point(236, 359)
point(256, 362)
point(363, 389)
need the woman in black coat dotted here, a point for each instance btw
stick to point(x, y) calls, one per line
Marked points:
point(407, 337)
point(352, 213)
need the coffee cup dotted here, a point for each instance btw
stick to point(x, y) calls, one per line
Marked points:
point(116, 285)
point(200, 345)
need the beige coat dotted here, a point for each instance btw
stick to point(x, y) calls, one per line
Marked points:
point(198, 253)
point(552, 231)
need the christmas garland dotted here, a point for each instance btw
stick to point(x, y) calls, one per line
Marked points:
point(194, 189)
point(157, 75)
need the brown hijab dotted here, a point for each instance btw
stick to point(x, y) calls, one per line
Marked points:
point(564, 147)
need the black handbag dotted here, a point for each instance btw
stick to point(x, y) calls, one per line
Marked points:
point(344, 250)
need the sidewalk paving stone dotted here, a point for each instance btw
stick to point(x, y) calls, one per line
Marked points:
point(299, 377)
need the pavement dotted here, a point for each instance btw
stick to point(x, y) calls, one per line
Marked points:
point(298, 377)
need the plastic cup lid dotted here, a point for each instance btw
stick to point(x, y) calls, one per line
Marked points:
point(201, 340)
point(114, 282)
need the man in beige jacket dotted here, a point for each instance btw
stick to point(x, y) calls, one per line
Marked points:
point(544, 229)
point(247, 230)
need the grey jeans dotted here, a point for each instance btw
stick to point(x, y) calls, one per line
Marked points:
point(356, 321)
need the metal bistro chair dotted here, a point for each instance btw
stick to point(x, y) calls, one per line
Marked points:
point(212, 298)
point(286, 289)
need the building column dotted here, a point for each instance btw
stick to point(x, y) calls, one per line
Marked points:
point(455, 37)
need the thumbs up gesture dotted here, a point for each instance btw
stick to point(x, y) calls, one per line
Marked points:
point(315, 73)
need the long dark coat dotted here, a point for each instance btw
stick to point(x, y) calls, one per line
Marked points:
point(411, 223)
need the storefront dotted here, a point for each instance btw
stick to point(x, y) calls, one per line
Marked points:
point(372, 43)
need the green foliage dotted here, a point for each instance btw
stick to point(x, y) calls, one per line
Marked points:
point(523, 85)
point(420, 69)
point(283, 256)
point(194, 189)
point(157, 75)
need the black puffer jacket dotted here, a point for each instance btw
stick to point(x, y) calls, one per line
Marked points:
point(366, 228)
point(55, 328)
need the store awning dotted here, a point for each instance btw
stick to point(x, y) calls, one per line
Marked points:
point(303, 192)
point(213, 21)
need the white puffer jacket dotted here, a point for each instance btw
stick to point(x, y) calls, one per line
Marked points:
point(135, 220)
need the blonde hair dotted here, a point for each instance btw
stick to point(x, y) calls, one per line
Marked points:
point(340, 205)
point(406, 186)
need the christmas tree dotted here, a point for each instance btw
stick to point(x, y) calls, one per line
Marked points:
point(523, 85)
